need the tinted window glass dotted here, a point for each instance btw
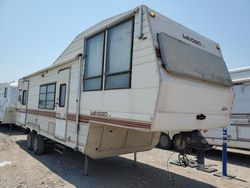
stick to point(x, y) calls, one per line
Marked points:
point(92, 84)
point(119, 49)
point(47, 96)
point(24, 99)
point(94, 61)
point(118, 81)
point(62, 95)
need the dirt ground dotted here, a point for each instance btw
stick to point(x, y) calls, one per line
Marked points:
point(20, 168)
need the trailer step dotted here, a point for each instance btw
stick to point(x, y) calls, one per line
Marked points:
point(59, 148)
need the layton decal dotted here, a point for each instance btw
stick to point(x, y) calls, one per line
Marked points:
point(97, 113)
point(192, 40)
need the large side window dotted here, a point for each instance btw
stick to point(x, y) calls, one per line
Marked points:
point(5, 92)
point(119, 49)
point(94, 63)
point(47, 96)
point(62, 95)
point(25, 96)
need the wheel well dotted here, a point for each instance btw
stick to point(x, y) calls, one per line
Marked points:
point(175, 136)
point(163, 133)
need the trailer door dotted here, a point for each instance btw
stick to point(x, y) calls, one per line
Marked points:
point(22, 105)
point(62, 96)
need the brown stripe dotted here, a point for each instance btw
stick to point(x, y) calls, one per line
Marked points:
point(88, 118)
point(42, 113)
point(121, 122)
point(21, 110)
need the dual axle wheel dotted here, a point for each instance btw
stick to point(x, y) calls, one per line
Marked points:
point(178, 142)
point(35, 142)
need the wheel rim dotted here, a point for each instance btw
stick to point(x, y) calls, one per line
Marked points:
point(164, 141)
point(29, 140)
point(35, 144)
point(179, 143)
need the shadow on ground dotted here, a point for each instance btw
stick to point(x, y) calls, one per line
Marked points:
point(235, 158)
point(11, 130)
point(110, 172)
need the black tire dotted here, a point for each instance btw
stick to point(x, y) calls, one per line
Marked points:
point(30, 141)
point(38, 144)
point(165, 142)
point(179, 143)
point(26, 131)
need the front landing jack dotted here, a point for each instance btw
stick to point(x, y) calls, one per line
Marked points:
point(194, 140)
point(135, 159)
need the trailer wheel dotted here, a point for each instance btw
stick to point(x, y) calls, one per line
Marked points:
point(164, 141)
point(38, 144)
point(179, 143)
point(30, 141)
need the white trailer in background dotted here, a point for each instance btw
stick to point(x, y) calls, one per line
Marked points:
point(238, 129)
point(123, 81)
point(8, 101)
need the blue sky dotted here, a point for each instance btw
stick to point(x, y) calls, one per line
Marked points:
point(34, 33)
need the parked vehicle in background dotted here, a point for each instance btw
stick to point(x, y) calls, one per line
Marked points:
point(122, 82)
point(8, 100)
point(239, 128)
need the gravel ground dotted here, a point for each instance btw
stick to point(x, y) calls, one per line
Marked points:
point(20, 168)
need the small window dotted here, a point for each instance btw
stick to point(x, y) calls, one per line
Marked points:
point(24, 99)
point(20, 95)
point(47, 96)
point(94, 63)
point(5, 92)
point(119, 49)
point(62, 95)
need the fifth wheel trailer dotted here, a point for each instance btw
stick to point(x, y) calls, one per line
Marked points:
point(123, 81)
point(8, 96)
point(238, 129)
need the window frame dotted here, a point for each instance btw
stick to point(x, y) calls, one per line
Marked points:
point(23, 97)
point(103, 59)
point(131, 57)
point(46, 93)
point(104, 62)
point(60, 95)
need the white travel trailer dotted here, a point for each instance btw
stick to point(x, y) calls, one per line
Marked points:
point(239, 127)
point(8, 95)
point(123, 81)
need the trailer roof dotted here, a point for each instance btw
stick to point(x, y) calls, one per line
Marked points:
point(241, 69)
point(76, 46)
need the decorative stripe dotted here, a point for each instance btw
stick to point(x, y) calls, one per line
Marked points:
point(21, 110)
point(88, 118)
point(42, 113)
point(122, 122)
